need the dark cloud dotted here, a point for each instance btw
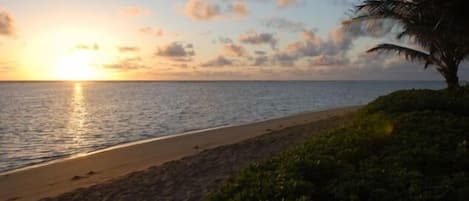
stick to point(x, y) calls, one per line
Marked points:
point(125, 49)
point(176, 51)
point(220, 61)
point(182, 59)
point(6, 24)
point(260, 60)
point(284, 24)
point(376, 28)
point(254, 38)
point(92, 47)
point(128, 64)
point(234, 50)
point(260, 52)
point(179, 65)
point(285, 59)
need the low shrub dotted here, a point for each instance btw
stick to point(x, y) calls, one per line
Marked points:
point(409, 145)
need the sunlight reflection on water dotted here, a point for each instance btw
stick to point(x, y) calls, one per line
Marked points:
point(78, 115)
point(48, 120)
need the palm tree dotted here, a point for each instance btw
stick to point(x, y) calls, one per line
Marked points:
point(439, 27)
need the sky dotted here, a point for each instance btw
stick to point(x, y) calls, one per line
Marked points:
point(195, 40)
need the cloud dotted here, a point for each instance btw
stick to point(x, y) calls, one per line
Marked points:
point(285, 59)
point(310, 36)
point(254, 38)
point(179, 65)
point(345, 34)
point(176, 51)
point(286, 3)
point(127, 64)
point(329, 60)
point(283, 24)
point(260, 52)
point(6, 24)
point(151, 31)
point(220, 61)
point(260, 60)
point(332, 50)
point(234, 50)
point(125, 49)
point(309, 46)
point(309, 50)
point(201, 9)
point(134, 11)
point(225, 40)
point(239, 9)
point(208, 9)
point(303, 49)
point(92, 47)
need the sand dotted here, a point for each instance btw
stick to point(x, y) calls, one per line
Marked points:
point(193, 163)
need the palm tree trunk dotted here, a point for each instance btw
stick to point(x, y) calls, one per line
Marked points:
point(451, 77)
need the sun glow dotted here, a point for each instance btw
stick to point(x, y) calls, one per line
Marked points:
point(69, 53)
point(77, 66)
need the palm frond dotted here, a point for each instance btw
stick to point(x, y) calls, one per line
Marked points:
point(408, 53)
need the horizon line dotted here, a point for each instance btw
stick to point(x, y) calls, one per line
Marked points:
point(228, 80)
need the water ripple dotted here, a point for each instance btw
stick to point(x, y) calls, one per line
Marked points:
point(48, 120)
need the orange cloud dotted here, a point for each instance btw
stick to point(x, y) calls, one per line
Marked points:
point(234, 50)
point(151, 31)
point(207, 10)
point(201, 10)
point(285, 3)
point(239, 9)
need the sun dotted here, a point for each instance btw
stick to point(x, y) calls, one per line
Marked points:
point(76, 66)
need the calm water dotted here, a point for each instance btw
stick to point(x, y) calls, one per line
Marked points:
point(48, 120)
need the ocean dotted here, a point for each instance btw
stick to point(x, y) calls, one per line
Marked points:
point(43, 121)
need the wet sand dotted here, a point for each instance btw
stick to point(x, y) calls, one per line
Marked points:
point(181, 167)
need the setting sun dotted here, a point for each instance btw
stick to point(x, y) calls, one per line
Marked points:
point(172, 100)
point(76, 66)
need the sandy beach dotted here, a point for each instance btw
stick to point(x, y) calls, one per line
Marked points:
point(193, 163)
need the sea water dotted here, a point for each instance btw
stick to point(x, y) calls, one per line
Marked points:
point(42, 121)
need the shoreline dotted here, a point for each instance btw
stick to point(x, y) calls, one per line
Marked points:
point(117, 146)
point(132, 143)
point(67, 174)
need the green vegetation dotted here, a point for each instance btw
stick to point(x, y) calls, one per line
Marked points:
point(409, 145)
